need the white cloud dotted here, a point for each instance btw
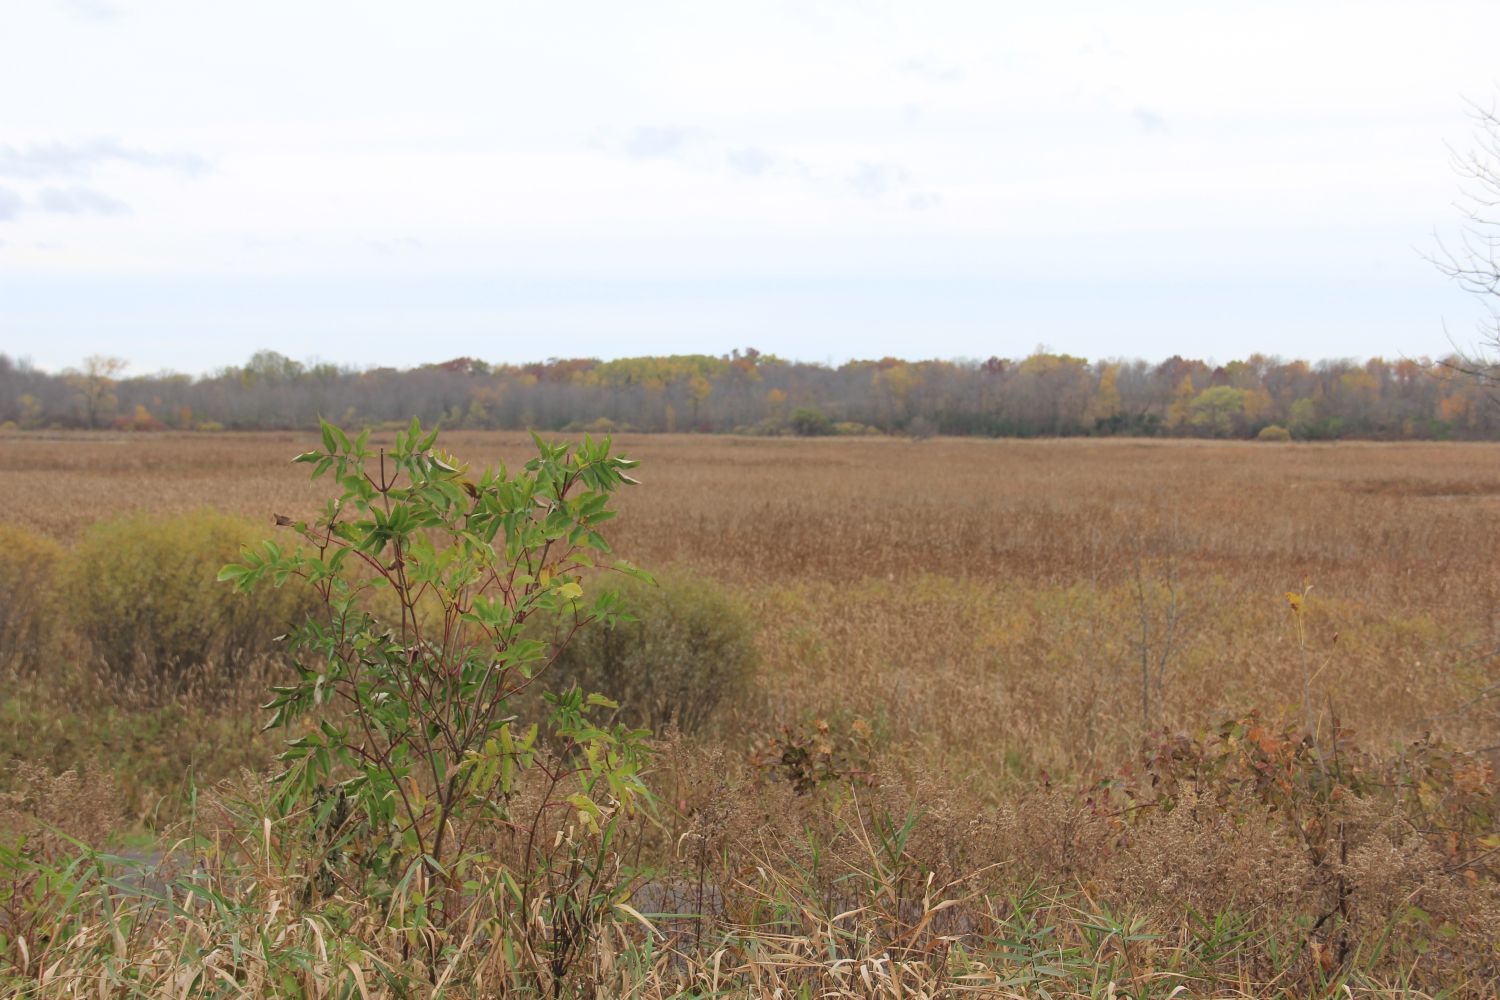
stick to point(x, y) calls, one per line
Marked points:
point(650, 142)
point(399, 245)
point(932, 70)
point(96, 10)
point(77, 200)
point(79, 159)
point(871, 180)
point(750, 160)
point(1149, 120)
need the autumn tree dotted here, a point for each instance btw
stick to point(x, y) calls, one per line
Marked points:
point(1180, 413)
point(699, 389)
point(94, 386)
point(1218, 410)
point(1104, 408)
point(776, 403)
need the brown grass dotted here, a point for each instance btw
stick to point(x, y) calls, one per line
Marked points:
point(983, 609)
point(994, 596)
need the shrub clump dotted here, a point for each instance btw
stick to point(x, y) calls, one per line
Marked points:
point(1274, 432)
point(142, 594)
point(27, 567)
point(810, 422)
point(688, 647)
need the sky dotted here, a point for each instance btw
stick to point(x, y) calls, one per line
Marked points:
point(392, 183)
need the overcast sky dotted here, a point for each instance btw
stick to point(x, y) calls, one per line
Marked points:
point(182, 183)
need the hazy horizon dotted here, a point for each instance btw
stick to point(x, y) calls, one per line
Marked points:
point(132, 369)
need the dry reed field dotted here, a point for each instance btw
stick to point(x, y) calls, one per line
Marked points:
point(994, 596)
point(1137, 700)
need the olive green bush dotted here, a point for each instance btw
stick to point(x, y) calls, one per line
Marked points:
point(810, 422)
point(27, 567)
point(687, 647)
point(141, 593)
point(426, 795)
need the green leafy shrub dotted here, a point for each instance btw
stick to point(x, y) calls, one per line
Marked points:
point(27, 566)
point(418, 785)
point(1274, 432)
point(141, 593)
point(687, 646)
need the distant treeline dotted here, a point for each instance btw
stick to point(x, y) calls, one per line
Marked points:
point(754, 393)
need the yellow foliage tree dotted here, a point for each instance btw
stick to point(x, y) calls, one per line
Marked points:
point(1179, 413)
point(1106, 401)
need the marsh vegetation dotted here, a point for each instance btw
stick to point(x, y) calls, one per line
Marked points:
point(998, 717)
